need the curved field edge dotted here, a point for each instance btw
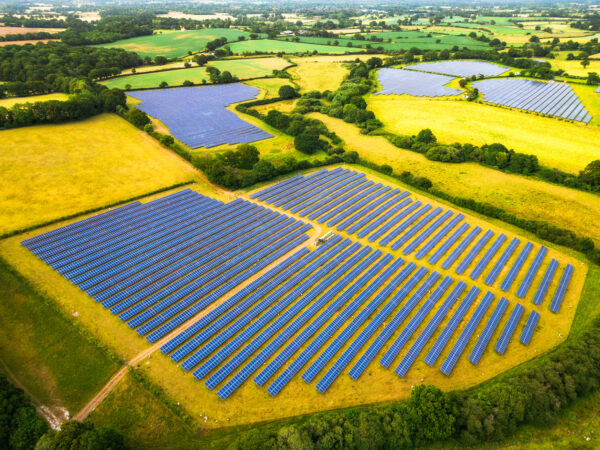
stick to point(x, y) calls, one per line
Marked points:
point(251, 404)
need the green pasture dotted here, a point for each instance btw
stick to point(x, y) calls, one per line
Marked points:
point(276, 46)
point(175, 43)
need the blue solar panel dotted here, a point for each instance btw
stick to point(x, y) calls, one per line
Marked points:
point(438, 237)
point(461, 68)
point(451, 327)
point(460, 248)
point(387, 225)
point(375, 217)
point(532, 321)
point(487, 257)
point(466, 334)
point(400, 81)
point(502, 261)
point(474, 252)
point(415, 228)
point(561, 289)
point(531, 272)
point(426, 233)
point(509, 329)
point(415, 322)
point(545, 283)
point(206, 122)
point(514, 270)
point(488, 331)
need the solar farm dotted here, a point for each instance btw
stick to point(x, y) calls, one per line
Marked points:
point(555, 99)
point(418, 84)
point(207, 122)
point(242, 292)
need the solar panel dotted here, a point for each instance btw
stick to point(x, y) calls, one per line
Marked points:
point(509, 329)
point(474, 252)
point(488, 330)
point(487, 257)
point(531, 272)
point(545, 283)
point(514, 270)
point(466, 334)
point(561, 289)
point(532, 321)
point(502, 261)
point(461, 247)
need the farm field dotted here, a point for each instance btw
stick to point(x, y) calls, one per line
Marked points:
point(251, 403)
point(574, 67)
point(276, 46)
point(175, 43)
point(32, 41)
point(566, 146)
point(95, 162)
point(521, 196)
point(269, 86)
point(242, 68)
point(10, 101)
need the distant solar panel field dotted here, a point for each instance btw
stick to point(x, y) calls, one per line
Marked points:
point(555, 99)
point(461, 68)
point(198, 117)
point(418, 84)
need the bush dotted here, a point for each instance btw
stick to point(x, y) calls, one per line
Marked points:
point(426, 136)
point(444, 153)
point(307, 142)
point(138, 118)
point(350, 157)
point(286, 92)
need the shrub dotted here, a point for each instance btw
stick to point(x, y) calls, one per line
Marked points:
point(307, 142)
point(286, 92)
point(138, 118)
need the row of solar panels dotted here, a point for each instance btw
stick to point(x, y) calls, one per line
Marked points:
point(461, 68)
point(205, 122)
point(318, 301)
point(556, 99)
point(158, 264)
point(348, 201)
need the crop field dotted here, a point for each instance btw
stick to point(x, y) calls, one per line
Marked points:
point(567, 146)
point(276, 46)
point(95, 162)
point(175, 43)
point(269, 86)
point(242, 68)
point(321, 73)
point(207, 122)
point(518, 195)
point(303, 298)
point(10, 101)
point(574, 67)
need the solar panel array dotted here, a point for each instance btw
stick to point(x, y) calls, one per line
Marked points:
point(159, 263)
point(461, 68)
point(349, 202)
point(555, 99)
point(198, 117)
point(418, 84)
point(309, 313)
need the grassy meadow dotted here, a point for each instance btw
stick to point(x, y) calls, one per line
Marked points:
point(559, 144)
point(95, 162)
point(10, 101)
point(276, 46)
point(173, 44)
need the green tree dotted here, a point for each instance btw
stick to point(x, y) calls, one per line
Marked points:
point(163, 84)
point(426, 136)
point(591, 174)
point(160, 60)
point(138, 118)
point(264, 170)
point(430, 414)
point(286, 92)
point(307, 142)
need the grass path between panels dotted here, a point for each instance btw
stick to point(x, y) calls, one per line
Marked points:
point(519, 195)
point(558, 144)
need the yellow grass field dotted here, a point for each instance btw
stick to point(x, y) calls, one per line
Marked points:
point(251, 404)
point(563, 145)
point(51, 171)
point(10, 101)
point(575, 67)
point(322, 72)
point(522, 196)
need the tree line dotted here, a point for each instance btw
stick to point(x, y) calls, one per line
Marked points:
point(107, 29)
point(31, 36)
point(49, 62)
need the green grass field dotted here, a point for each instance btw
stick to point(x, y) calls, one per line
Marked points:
point(40, 346)
point(560, 144)
point(242, 68)
point(176, 43)
point(94, 162)
point(276, 46)
point(435, 42)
